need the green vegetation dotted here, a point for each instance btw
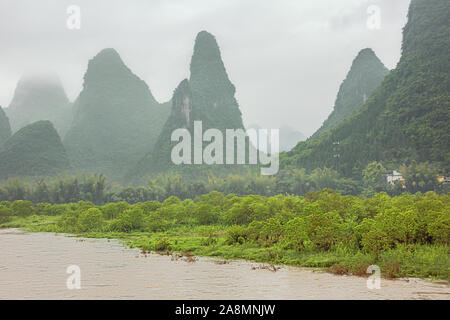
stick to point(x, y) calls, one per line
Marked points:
point(330, 205)
point(406, 117)
point(419, 177)
point(407, 236)
point(366, 74)
point(35, 150)
point(116, 118)
point(5, 128)
point(208, 96)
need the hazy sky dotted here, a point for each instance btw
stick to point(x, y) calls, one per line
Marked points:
point(286, 58)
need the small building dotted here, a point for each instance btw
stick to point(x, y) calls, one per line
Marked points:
point(393, 176)
point(444, 179)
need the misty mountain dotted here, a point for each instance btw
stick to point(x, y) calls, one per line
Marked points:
point(365, 75)
point(39, 97)
point(34, 150)
point(207, 96)
point(116, 118)
point(288, 137)
point(5, 128)
point(406, 117)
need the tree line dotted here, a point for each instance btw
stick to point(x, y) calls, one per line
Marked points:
point(417, 177)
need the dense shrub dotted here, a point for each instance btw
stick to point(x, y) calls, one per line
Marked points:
point(439, 227)
point(5, 214)
point(90, 220)
point(129, 220)
point(22, 208)
point(163, 244)
point(322, 221)
point(207, 214)
point(236, 235)
point(294, 235)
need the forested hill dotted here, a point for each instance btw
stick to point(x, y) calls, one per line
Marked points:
point(213, 94)
point(5, 128)
point(207, 96)
point(365, 75)
point(40, 97)
point(35, 150)
point(116, 118)
point(406, 118)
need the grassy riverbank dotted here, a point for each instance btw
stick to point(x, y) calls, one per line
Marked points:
point(405, 236)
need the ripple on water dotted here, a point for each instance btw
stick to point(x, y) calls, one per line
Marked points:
point(34, 266)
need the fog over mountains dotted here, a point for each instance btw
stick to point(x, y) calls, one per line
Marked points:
point(286, 58)
point(207, 96)
point(406, 117)
point(366, 74)
point(117, 127)
point(40, 97)
point(116, 119)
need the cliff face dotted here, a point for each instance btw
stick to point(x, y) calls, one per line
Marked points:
point(212, 91)
point(366, 74)
point(116, 118)
point(207, 96)
point(406, 117)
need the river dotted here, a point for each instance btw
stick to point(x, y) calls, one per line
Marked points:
point(34, 266)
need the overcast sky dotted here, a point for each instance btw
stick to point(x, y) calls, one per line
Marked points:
point(286, 58)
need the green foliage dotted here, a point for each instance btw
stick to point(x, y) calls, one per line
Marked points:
point(417, 261)
point(295, 235)
point(90, 220)
point(406, 117)
point(116, 118)
point(366, 74)
point(129, 220)
point(236, 235)
point(210, 241)
point(113, 210)
point(324, 229)
point(95, 188)
point(35, 150)
point(22, 208)
point(207, 214)
point(439, 227)
point(57, 190)
point(5, 128)
point(5, 214)
point(157, 223)
point(374, 178)
point(406, 235)
point(420, 177)
point(163, 244)
point(208, 96)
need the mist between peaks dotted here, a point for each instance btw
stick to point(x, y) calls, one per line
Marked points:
point(239, 140)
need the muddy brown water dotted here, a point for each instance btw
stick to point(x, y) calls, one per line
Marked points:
point(34, 265)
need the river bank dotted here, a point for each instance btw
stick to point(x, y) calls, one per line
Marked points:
point(34, 267)
point(405, 236)
point(212, 241)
